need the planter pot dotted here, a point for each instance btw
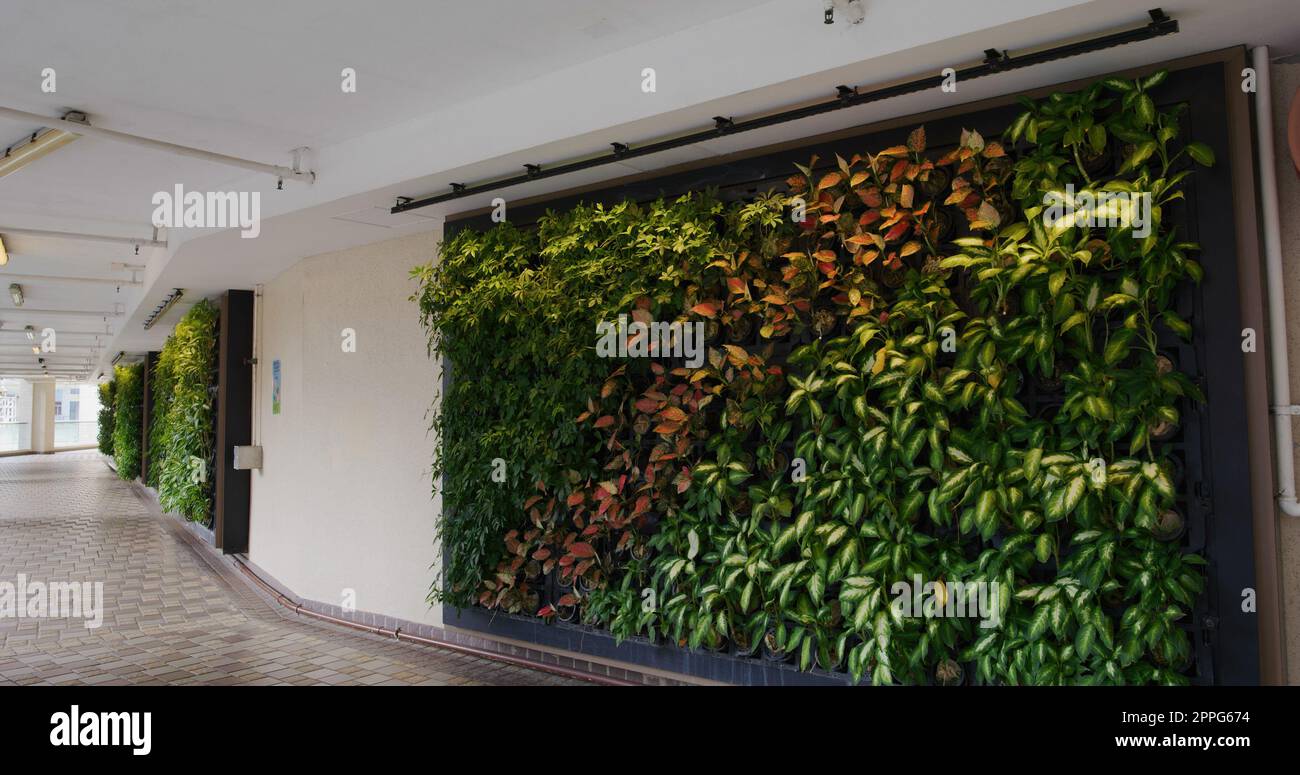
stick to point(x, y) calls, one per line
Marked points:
point(823, 322)
point(1162, 431)
point(772, 651)
point(1170, 525)
point(830, 663)
point(743, 647)
point(949, 673)
point(1096, 163)
point(780, 461)
point(586, 586)
point(935, 186)
point(945, 224)
point(567, 613)
point(740, 329)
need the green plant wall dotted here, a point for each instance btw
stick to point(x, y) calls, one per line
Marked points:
point(184, 411)
point(107, 420)
point(161, 385)
point(861, 419)
point(128, 418)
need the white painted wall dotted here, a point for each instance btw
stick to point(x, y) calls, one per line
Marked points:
point(1286, 88)
point(344, 497)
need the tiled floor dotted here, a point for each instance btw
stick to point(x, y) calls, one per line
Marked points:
point(170, 614)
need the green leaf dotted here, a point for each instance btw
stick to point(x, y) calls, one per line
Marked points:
point(1201, 153)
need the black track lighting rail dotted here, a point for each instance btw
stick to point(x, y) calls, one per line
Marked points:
point(995, 61)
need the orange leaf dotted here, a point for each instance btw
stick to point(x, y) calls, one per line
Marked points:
point(605, 421)
point(829, 180)
point(916, 140)
point(672, 414)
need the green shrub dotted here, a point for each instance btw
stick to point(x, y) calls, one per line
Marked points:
point(107, 421)
point(186, 364)
point(162, 386)
point(869, 411)
point(128, 417)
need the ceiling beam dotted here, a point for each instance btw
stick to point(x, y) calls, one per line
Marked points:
point(51, 278)
point(76, 312)
point(77, 127)
point(77, 235)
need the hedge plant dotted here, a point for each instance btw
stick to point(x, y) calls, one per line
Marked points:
point(162, 386)
point(185, 432)
point(909, 374)
point(107, 421)
point(128, 418)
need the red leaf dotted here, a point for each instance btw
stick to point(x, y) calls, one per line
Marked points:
point(582, 549)
point(707, 309)
point(605, 421)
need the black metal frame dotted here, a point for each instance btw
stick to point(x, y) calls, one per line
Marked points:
point(234, 420)
point(1215, 491)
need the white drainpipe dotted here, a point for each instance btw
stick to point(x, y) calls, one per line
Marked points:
point(1283, 410)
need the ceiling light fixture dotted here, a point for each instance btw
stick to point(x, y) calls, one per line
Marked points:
point(166, 304)
point(38, 144)
point(16, 293)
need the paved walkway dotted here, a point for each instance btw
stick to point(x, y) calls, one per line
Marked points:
point(170, 614)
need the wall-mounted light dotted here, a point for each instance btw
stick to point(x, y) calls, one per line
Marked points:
point(16, 293)
point(163, 306)
point(32, 148)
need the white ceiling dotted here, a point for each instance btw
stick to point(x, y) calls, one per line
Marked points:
point(453, 91)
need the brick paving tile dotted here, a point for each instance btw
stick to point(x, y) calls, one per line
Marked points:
point(171, 615)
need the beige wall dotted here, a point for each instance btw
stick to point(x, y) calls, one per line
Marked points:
point(1285, 81)
point(344, 499)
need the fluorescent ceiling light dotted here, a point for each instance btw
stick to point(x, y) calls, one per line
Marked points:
point(34, 147)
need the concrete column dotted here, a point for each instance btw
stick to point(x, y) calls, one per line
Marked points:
point(43, 416)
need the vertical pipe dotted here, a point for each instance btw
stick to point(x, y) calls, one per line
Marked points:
point(1279, 362)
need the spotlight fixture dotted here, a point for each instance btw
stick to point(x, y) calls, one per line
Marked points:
point(4, 256)
point(16, 293)
point(31, 333)
point(36, 350)
point(40, 142)
point(828, 12)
